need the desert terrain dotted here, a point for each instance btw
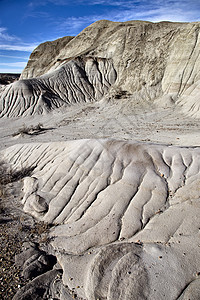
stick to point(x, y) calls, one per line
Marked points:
point(100, 162)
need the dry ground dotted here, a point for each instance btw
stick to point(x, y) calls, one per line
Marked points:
point(121, 120)
point(15, 228)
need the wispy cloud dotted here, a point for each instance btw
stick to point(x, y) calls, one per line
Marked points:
point(170, 13)
point(19, 47)
point(14, 57)
point(120, 11)
point(19, 64)
point(32, 13)
point(5, 36)
point(73, 25)
point(11, 42)
point(10, 70)
point(140, 4)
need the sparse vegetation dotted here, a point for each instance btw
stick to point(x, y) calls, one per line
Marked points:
point(13, 233)
point(117, 93)
point(8, 78)
point(10, 245)
point(31, 130)
point(120, 94)
point(15, 228)
point(9, 175)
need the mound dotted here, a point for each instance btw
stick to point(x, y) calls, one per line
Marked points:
point(77, 81)
point(126, 214)
point(152, 62)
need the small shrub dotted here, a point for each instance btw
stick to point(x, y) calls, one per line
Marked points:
point(121, 94)
point(8, 175)
point(31, 130)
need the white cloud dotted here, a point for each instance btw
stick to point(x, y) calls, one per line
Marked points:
point(169, 10)
point(19, 47)
point(73, 25)
point(133, 4)
point(10, 70)
point(14, 57)
point(5, 36)
point(9, 42)
point(127, 4)
point(16, 67)
point(19, 64)
point(149, 10)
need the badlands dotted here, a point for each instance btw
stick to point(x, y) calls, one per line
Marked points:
point(100, 143)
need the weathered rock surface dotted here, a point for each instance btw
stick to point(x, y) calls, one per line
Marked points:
point(34, 261)
point(38, 268)
point(77, 81)
point(152, 61)
point(39, 288)
point(44, 57)
point(126, 214)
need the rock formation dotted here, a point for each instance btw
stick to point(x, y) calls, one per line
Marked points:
point(44, 57)
point(158, 62)
point(127, 212)
point(75, 82)
point(124, 215)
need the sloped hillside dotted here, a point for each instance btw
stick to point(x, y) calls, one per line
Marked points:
point(156, 62)
point(78, 81)
point(126, 215)
point(111, 172)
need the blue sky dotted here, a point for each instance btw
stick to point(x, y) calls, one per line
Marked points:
point(24, 24)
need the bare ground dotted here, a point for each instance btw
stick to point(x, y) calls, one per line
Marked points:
point(16, 227)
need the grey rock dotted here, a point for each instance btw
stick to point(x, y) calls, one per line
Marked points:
point(38, 288)
point(33, 261)
point(28, 250)
point(156, 62)
point(126, 215)
point(79, 80)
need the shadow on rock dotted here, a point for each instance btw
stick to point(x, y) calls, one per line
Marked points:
point(38, 267)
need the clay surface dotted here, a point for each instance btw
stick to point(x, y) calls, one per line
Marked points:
point(101, 133)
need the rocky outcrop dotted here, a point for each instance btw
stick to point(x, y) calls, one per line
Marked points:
point(78, 81)
point(44, 57)
point(123, 216)
point(156, 62)
point(126, 214)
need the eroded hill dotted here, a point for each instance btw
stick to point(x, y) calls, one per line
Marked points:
point(111, 171)
point(154, 62)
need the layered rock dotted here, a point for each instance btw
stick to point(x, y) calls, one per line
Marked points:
point(78, 81)
point(44, 57)
point(124, 215)
point(151, 61)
